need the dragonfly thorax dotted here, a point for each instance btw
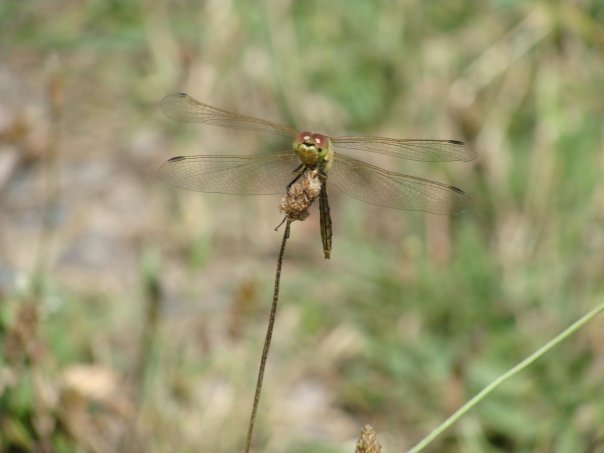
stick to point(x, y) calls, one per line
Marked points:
point(314, 150)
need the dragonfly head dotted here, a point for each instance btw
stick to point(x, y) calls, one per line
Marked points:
point(312, 149)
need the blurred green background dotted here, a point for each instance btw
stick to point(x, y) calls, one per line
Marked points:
point(132, 314)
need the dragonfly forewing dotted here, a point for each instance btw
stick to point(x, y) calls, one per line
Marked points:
point(270, 174)
point(235, 175)
point(419, 150)
point(377, 186)
point(182, 107)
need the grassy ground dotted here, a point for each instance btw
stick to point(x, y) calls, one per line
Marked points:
point(132, 315)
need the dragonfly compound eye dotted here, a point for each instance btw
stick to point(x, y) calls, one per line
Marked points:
point(303, 137)
point(320, 141)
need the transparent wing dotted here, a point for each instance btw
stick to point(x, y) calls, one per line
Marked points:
point(421, 150)
point(182, 107)
point(238, 175)
point(394, 190)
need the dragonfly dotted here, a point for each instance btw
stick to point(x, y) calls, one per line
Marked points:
point(270, 174)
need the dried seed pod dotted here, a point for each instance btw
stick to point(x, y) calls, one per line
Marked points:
point(368, 442)
point(300, 196)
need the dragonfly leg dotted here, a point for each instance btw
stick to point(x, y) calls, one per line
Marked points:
point(281, 223)
point(321, 172)
point(300, 171)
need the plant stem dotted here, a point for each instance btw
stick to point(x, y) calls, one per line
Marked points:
point(267, 340)
point(504, 377)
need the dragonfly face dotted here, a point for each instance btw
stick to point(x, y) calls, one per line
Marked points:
point(314, 150)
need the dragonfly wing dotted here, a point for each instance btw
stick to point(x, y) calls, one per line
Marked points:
point(238, 175)
point(421, 150)
point(182, 107)
point(377, 186)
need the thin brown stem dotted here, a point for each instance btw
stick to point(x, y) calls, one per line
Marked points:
point(267, 340)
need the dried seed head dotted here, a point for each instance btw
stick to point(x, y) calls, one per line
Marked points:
point(295, 204)
point(368, 443)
